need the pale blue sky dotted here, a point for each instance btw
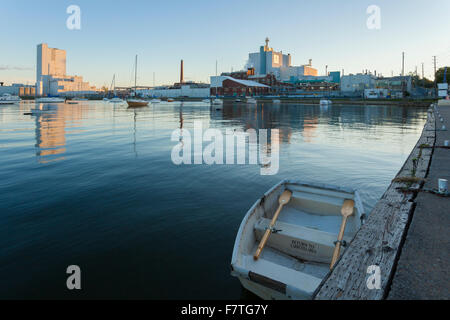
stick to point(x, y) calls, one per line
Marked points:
point(330, 32)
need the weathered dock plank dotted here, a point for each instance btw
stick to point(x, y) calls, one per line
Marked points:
point(379, 241)
point(422, 271)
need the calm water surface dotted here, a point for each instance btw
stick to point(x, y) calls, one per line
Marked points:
point(93, 185)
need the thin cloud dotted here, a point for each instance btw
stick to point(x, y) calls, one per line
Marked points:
point(16, 68)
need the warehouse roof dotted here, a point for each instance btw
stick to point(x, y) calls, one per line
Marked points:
point(247, 83)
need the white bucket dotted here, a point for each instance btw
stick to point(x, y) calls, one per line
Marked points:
point(443, 186)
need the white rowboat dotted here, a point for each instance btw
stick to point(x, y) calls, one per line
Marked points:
point(252, 101)
point(299, 251)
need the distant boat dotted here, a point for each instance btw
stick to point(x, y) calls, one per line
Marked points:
point(9, 99)
point(238, 100)
point(325, 102)
point(252, 101)
point(208, 101)
point(156, 101)
point(276, 101)
point(105, 99)
point(136, 102)
point(116, 100)
point(170, 100)
point(217, 102)
point(49, 100)
point(302, 244)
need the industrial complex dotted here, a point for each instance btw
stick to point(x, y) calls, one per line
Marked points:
point(267, 73)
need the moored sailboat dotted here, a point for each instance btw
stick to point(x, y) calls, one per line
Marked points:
point(136, 102)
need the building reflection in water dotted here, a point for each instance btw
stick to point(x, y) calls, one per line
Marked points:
point(50, 130)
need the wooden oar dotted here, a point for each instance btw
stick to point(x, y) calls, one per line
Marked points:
point(284, 200)
point(346, 211)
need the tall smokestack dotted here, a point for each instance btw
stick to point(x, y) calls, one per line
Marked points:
point(182, 72)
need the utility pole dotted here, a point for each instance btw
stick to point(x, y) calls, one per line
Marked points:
point(423, 75)
point(435, 80)
point(403, 64)
point(216, 67)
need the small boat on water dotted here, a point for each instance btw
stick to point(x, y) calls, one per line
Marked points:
point(135, 102)
point(50, 100)
point(276, 101)
point(289, 239)
point(238, 100)
point(217, 102)
point(170, 100)
point(116, 100)
point(207, 101)
point(9, 99)
point(325, 102)
point(156, 101)
point(252, 101)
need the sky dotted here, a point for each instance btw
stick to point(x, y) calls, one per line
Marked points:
point(201, 32)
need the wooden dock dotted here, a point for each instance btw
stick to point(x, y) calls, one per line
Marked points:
point(380, 241)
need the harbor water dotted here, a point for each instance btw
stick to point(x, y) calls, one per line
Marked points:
point(94, 185)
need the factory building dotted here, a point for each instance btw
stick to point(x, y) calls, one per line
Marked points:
point(357, 83)
point(51, 78)
point(395, 85)
point(18, 89)
point(368, 84)
point(268, 61)
point(191, 90)
point(231, 87)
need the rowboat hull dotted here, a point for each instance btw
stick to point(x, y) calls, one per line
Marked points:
point(137, 103)
point(298, 255)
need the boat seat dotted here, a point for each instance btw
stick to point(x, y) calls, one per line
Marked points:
point(299, 241)
point(300, 283)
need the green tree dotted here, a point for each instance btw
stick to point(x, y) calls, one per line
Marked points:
point(440, 75)
point(418, 82)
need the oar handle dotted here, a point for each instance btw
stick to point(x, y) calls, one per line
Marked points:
point(337, 249)
point(262, 244)
point(266, 236)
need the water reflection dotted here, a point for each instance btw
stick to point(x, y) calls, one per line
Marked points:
point(50, 132)
point(122, 208)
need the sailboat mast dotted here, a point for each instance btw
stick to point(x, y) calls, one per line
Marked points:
point(135, 78)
